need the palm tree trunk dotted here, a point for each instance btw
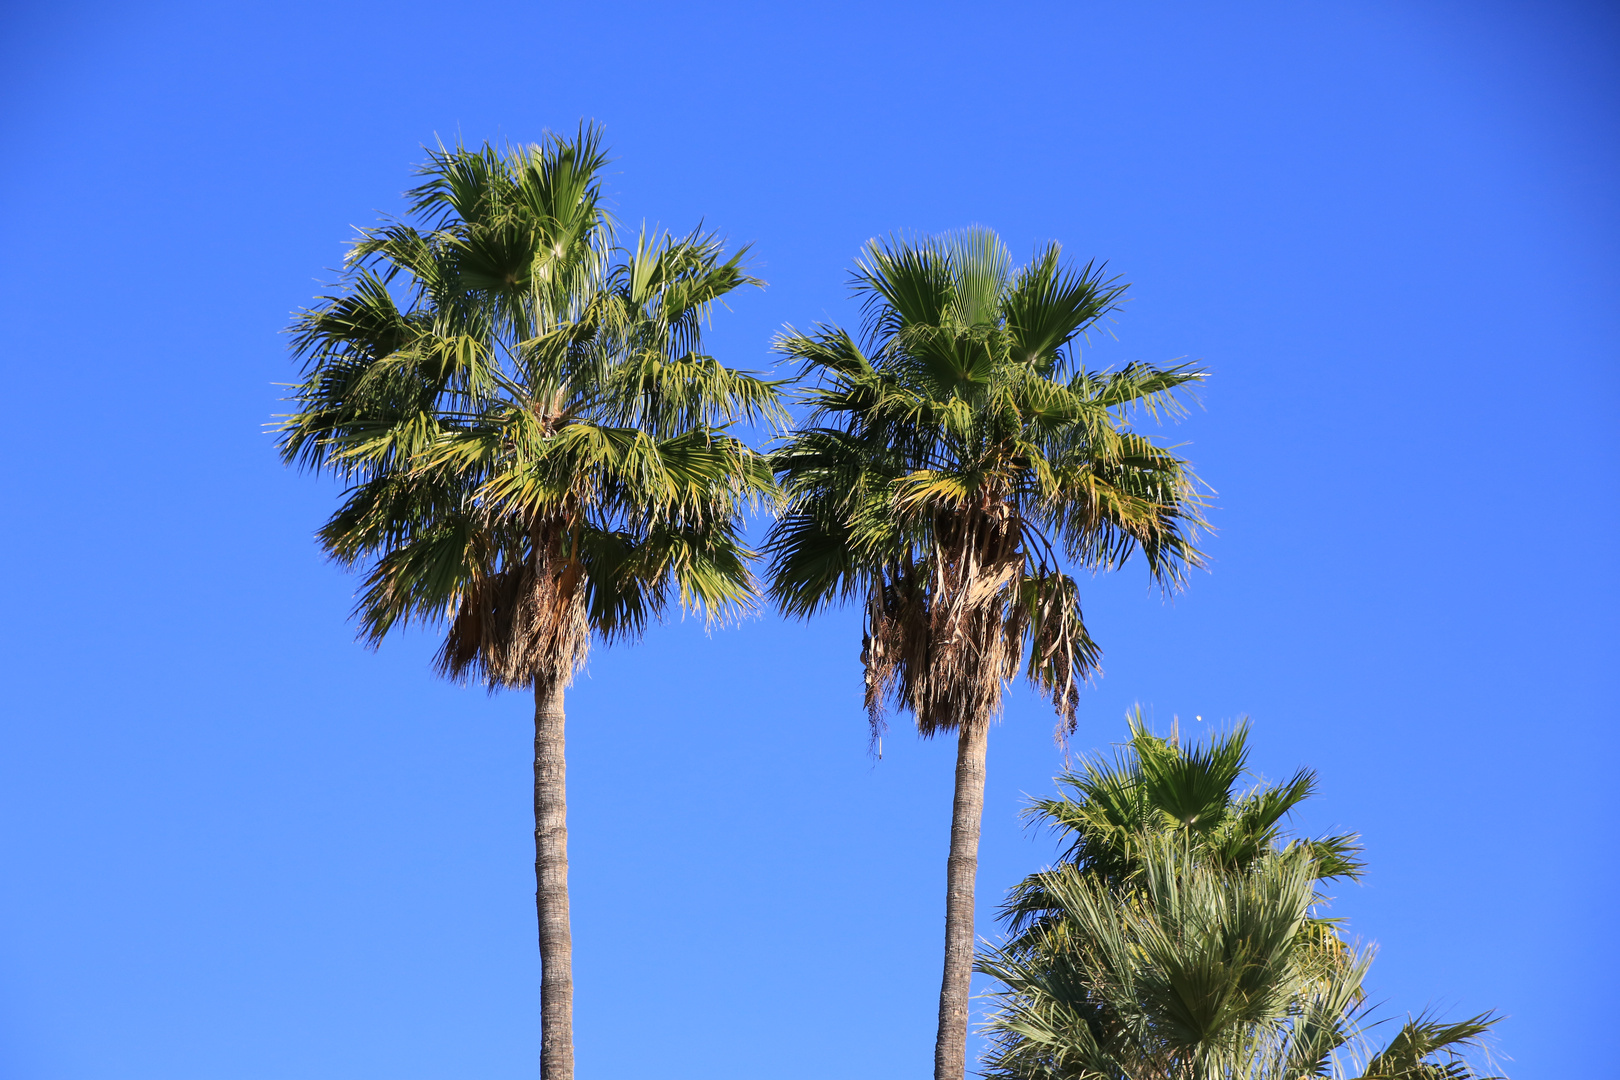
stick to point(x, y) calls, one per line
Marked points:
point(950, 1047)
point(551, 885)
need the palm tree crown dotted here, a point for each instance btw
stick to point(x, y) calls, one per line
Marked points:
point(953, 466)
point(535, 440)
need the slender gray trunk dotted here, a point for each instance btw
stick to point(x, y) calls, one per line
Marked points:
point(950, 1048)
point(551, 886)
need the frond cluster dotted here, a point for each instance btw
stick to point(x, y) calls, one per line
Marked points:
point(1178, 938)
point(1156, 788)
point(536, 444)
point(959, 463)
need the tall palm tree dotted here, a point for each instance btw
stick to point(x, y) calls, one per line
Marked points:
point(535, 446)
point(957, 465)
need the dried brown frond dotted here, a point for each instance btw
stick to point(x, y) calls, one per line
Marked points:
point(938, 637)
point(520, 625)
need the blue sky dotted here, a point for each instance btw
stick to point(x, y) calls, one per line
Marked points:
point(235, 843)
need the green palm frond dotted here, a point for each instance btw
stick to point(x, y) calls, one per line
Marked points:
point(1426, 1048)
point(1049, 305)
point(1192, 786)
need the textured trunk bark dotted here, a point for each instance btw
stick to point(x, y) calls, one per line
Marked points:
point(551, 887)
point(950, 1047)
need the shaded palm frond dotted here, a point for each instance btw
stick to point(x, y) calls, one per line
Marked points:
point(1427, 1048)
point(1193, 971)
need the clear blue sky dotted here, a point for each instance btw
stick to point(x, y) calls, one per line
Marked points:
point(235, 844)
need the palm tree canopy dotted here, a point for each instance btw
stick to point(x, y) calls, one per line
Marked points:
point(959, 461)
point(1158, 788)
point(536, 444)
point(1181, 935)
point(1197, 971)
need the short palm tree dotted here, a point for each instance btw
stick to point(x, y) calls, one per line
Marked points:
point(957, 465)
point(1194, 970)
point(535, 446)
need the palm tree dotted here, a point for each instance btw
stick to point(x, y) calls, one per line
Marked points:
point(1195, 970)
point(1160, 788)
point(535, 446)
point(956, 466)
